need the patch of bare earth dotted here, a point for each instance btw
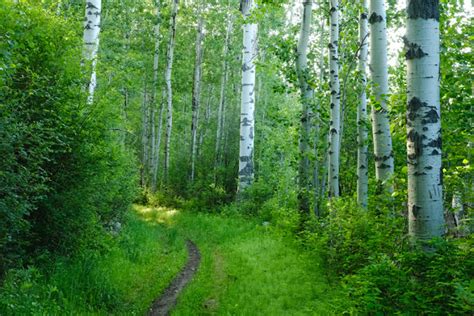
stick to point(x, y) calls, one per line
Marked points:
point(165, 303)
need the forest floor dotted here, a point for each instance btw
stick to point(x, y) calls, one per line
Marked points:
point(188, 262)
point(246, 268)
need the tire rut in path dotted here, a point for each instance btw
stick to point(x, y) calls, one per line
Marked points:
point(164, 304)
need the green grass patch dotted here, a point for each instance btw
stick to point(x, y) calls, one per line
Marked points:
point(125, 280)
point(246, 269)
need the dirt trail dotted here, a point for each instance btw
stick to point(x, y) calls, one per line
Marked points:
point(164, 304)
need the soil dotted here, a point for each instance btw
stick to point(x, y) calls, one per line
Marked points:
point(165, 303)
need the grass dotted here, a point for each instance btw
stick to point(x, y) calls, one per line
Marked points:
point(246, 269)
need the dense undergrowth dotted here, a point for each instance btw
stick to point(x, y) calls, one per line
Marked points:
point(122, 279)
point(64, 177)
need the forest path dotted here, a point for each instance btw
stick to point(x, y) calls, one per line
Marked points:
point(246, 268)
point(163, 305)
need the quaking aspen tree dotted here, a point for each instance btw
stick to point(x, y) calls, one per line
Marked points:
point(307, 95)
point(91, 42)
point(379, 73)
point(249, 54)
point(169, 88)
point(362, 132)
point(335, 115)
point(425, 178)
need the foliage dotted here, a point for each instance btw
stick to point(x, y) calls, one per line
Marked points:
point(381, 273)
point(123, 281)
point(63, 177)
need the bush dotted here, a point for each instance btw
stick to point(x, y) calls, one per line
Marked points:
point(63, 177)
point(382, 273)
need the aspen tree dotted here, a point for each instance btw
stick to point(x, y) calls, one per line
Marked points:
point(379, 73)
point(307, 95)
point(249, 54)
point(169, 88)
point(335, 115)
point(222, 98)
point(362, 133)
point(91, 42)
point(425, 187)
point(196, 92)
point(156, 133)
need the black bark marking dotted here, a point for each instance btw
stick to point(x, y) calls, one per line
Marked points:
point(435, 143)
point(363, 16)
point(333, 131)
point(416, 174)
point(414, 210)
point(247, 170)
point(413, 106)
point(413, 50)
point(246, 122)
point(435, 153)
point(424, 9)
point(417, 141)
point(428, 167)
point(375, 18)
point(384, 166)
point(430, 117)
point(89, 5)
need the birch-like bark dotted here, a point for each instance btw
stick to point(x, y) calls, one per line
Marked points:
point(362, 132)
point(379, 73)
point(155, 142)
point(91, 42)
point(145, 135)
point(316, 125)
point(307, 94)
point(425, 188)
point(196, 99)
point(169, 90)
point(335, 116)
point(249, 54)
point(158, 141)
point(222, 99)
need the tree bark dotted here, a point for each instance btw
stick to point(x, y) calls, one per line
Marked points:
point(169, 90)
point(91, 42)
point(155, 131)
point(249, 54)
point(145, 135)
point(196, 94)
point(379, 72)
point(362, 132)
point(307, 95)
point(425, 188)
point(222, 99)
point(335, 116)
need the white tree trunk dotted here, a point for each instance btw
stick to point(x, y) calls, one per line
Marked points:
point(425, 189)
point(222, 99)
point(145, 135)
point(196, 99)
point(249, 54)
point(307, 100)
point(335, 123)
point(379, 71)
point(91, 42)
point(316, 125)
point(169, 90)
point(158, 142)
point(155, 131)
point(362, 132)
